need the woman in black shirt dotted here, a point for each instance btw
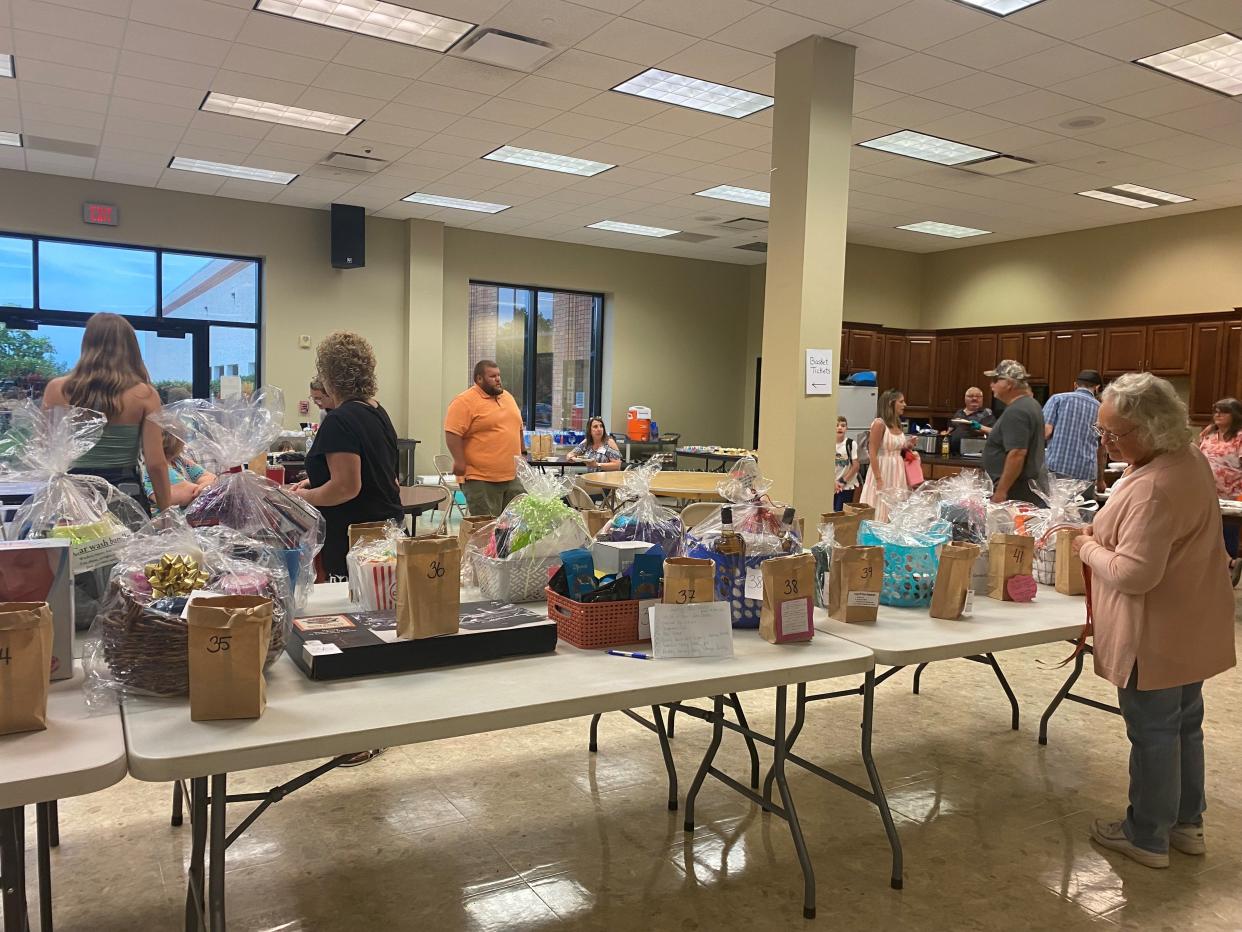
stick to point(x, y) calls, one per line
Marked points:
point(351, 469)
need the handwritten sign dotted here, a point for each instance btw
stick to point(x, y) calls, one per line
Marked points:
point(700, 630)
point(819, 374)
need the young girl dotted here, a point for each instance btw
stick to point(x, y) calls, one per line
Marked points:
point(885, 444)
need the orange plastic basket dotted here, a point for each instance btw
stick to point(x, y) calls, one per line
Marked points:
point(589, 625)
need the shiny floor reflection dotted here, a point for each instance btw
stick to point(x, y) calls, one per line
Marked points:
point(527, 830)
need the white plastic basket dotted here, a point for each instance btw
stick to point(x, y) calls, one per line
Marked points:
point(1046, 563)
point(515, 579)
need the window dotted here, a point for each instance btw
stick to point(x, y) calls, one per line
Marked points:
point(548, 346)
point(197, 316)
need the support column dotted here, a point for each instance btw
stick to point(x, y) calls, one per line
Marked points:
point(806, 267)
point(424, 357)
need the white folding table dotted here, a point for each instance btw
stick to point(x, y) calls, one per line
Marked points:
point(80, 752)
point(306, 720)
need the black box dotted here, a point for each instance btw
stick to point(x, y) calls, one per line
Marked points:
point(345, 644)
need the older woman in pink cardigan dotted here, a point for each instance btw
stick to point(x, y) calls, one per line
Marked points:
point(1163, 612)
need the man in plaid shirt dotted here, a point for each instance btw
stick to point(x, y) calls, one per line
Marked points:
point(1073, 447)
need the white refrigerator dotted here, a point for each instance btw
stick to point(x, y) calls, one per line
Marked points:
point(858, 404)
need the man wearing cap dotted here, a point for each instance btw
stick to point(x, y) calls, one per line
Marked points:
point(1014, 453)
point(1073, 446)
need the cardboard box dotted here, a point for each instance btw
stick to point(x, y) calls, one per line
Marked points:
point(616, 556)
point(41, 571)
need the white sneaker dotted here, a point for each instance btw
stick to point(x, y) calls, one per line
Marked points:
point(1109, 835)
point(1188, 839)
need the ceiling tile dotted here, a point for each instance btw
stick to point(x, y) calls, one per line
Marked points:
point(177, 45)
point(751, 160)
point(1060, 63)
point(994, 44)
point(924, 23)
point(741, 133)
point(1225, 15)
point(106, 7)
point(458, 145)
point(515, 112)
point(711, 61)
point(390, 133)
point(706, 151)
point(282, 34)
point(976, 90)
point(52, 96)
point(1126, 134)
point(254, 86)
point(553, 21)
point(165, 70)
point(156, 113)
point(614, 106)
point(170, 94)
point(214, 20)
point(910, 112)
point(631, 40)
point(967, 126)
point(391, 58)
point(413, 117)
point(639, 137)
point(349, 80)
point(694, 17)
point(869, 52)
point(254, 60)
point(1174, 96)
point(1072, 19)
point(199, 140)
point(690, 122)
point(589, 69)
point(473, 127)
point(326, 101)
point(545, 141)
point(127, 130)
point(1166, 29)
point(561, 95)
point(38, 45)
point(843, 13)
point(57, 21)
point(609, 152)
point(1111, 83)
point(471, 76)
point(1035, 105)
point(582, 125)
point(442, 98)
point(664, 164)
point(915, 72)
point(768, 30)
point(63, 75)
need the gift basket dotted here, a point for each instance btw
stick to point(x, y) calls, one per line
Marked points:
point(139, 641)
point(225, 435)
point(911, 540)
point(964, 500)
point(822, 552)
point(758, 530)
point(1065, 510)
point(372, 567)
point(512, 557)
point(641, 517)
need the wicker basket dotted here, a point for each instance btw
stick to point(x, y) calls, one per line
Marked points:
point(590, 625)
point(515, 579)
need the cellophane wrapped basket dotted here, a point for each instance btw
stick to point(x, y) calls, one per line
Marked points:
point(1064, 500)
point(641, 517)
point(758, 520)
point(372, 568)
point(911, 541)
point(822, 552)
point(138, 644)
point(226, 435)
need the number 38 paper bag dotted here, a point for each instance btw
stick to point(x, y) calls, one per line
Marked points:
point(788, 599)
point(689, 581)
point(25, 662)
point(854, 583)
point(428, 586)
point(228, 641)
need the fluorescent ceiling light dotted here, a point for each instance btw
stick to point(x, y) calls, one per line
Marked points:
point(728, 192)
point(231, 171)
point(683, 91)
point(637, 229)
point(1214, 63)
point(548, 161)
point(435, 200)
point(10, 139)
point(943, 229)
point(230, 105)
point(928, 148)
point(1000, 7)
point(1135, 195)
point(6, 66)
point(375, 18)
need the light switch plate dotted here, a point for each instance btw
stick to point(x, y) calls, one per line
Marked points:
point(304, 341)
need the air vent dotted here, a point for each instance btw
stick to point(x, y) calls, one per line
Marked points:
point(1000, 165)
point(754, 247)
point(60, 146)
point(354, 163)
point(691, 237)
point(505, 49)
point(745, 224)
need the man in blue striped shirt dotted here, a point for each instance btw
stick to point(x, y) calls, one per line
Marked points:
point(1073, 447)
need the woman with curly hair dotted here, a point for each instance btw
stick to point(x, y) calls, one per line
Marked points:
point(351, 469)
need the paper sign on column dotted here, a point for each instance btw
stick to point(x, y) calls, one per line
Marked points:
point(819, 372)
point(697, 630)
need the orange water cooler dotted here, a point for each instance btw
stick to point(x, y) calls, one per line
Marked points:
point(638, 423)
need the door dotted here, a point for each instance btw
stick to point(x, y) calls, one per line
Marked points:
point(962, 376)
point(1037, 350)
point(1169, 349)
point(985, 359)
point(1063, 364)
point(1011, 346)
point(921, 364)
point(893, 366)
point(1207, 367)
point(1090, 350)
point(1125, 350)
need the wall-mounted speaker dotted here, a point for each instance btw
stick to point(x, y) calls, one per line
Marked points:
point(349, 237)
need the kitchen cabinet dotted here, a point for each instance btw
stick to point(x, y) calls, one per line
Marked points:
point(985, 359)
point(1232, 374)
point(1125, 350)
point(863, 354)
point(921, 366)
point(1012, 346)
point(893, 362)
point(1063, 362)
point(1090, 350)
point(1036, 351)
point(1169, 349)
point(1207, 382)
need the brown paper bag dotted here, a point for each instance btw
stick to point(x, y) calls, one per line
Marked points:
point(595, 519)
point(854, 583)
point(228, 640)
point(25, 665)
point(366, 531)
point(1069, 579)
point(689, 581)
point(864, 512)
point(1009, 555)
point(788, 599)
point(470, 525)
point(844, 526)
point(428, 586)
point(953, 580)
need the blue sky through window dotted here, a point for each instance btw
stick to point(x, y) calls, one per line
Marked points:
point(16, 278)
point(90, 278)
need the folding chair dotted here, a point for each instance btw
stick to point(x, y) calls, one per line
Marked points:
point(580, 498)
point(457, 499)
point(697, 512)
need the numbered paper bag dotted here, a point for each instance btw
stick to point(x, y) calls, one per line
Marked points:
point(689, 581)
point(470, 525)
point(428, 586)
point(228, 641)
point(1009, 556)
point(788, 599)
point(854, 583)
point(863, 512)
point(25, 665)
point(1069, 579)
point(844, 526)
point(953, 581)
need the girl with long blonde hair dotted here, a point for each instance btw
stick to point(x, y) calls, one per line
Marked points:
point(885, 444)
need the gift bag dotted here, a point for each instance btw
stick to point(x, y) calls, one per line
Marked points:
point(359, 534)
point(788, 599)
point(1010, 556)
point(25, 665)
point(689, 581)
point(854, 583)
point(1069, 579)
point(914, 469)
point(844, 524)
point(470, 525)
point(228, 639)
point(864, 512)
point(954, 590)
point(428, 587)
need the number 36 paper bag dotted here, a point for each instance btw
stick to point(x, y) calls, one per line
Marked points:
point(788, 599)
point(428, 586)
point(229, 637)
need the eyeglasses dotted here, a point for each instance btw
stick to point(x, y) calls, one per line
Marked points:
point(1108, 436)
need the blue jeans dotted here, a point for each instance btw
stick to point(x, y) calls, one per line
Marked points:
point(841, 499)
point(1232, 532)
point(1165, 727)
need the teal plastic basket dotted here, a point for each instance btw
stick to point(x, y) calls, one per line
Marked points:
point(911, 561)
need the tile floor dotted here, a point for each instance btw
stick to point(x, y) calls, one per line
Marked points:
point(527, 830)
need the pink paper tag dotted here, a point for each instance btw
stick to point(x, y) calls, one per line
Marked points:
point(1022, 588)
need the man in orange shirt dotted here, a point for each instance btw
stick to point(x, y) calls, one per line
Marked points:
point(483, 431)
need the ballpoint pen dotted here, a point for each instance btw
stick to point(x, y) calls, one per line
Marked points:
point(630, 653)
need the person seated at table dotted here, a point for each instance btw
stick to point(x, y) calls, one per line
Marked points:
point(186, 477)
point(1163, 612)
point(598, 449)
point(1221, 443)
point(971, 421)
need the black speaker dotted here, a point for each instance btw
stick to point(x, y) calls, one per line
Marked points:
point(349, 237)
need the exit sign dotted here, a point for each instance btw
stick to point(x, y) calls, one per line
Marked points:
point(107, 214)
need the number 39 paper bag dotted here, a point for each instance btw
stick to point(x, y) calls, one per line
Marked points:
point(854, 583)
point(228, 641)
point(788, 599)
point(428, 586)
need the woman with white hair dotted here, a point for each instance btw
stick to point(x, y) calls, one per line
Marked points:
point(1163, 611)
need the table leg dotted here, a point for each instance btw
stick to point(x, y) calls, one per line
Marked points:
point(672, 717)
point(219, 808)
point(750, 742)
point(178, 816)
point(791, 816)
point(877, 788)
point(1000, 676)
point(43, 839)
point(799, 721)
point(13, 869)
point(918, 672)
point(53, 809)
point(669, 764)
point(1060, 697)
point(195, 904)
point(709, 756)
point(593, 744)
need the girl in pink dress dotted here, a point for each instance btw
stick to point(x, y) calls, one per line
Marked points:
point(885, 445)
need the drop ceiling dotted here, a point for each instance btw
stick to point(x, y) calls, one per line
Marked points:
point(111, 90)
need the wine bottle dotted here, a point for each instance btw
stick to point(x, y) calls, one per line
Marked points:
point(730, 543)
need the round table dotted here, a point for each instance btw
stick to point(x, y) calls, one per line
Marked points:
point(416, 499)
point(691, 486)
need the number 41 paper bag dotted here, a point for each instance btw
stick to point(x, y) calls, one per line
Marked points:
point(788, 599)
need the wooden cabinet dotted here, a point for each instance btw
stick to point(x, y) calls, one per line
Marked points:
point(893, 362)
point(1090, 350)
point(843, 364)
point(1036, 352)
point(1230, 386)
point(1169, 349)
point(985, 359)
point(1011, 346)
point(921, 366)
point(1063, 360)
point(1209, 341)
point(1125, 350)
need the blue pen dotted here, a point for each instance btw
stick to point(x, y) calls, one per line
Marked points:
point(629, 653)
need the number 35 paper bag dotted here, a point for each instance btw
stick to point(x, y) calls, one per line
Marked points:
point(428, 586)
point(228, 641)
point(788, 599)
